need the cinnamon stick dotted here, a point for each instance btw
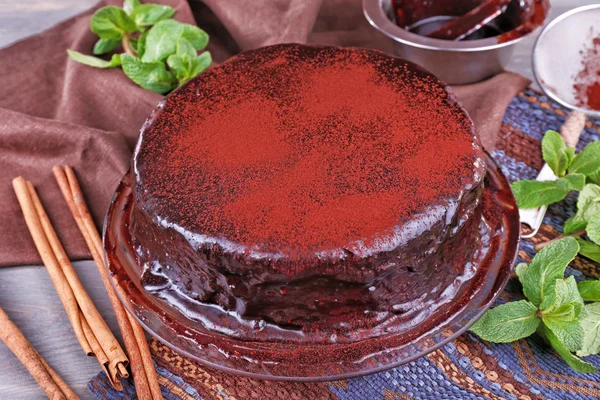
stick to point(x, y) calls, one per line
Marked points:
point(109, 346)
point(151, 374)
point(62, 385)
point(144, 373)
point(65, 293)
point(99, 353)
point(91, 330)
point(50, 382)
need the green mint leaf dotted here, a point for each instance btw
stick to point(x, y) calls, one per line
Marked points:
point(574, 362)
point(152, 76)
point(129, 5)
point(546, 267)
point(573, 181)
point(570, 153)
point(588, 205)
point(591, 331)
point(594, 177)
point(115, 60)
point(163, 37)
point(554, 152)
point(185, 48)
point(104, 46)
point(134, 44)
point(589, 196)
point(141, 44)
point(589, 290)
point(196, 36)
point(593, 228)
point(589, 250)
point(574, 224)
point(180, 66)
point(520, 269)
point(564, 303)
point(507, 322)
point(569, 333)
point(111, 22)
point(200, 63)
point(186, 68)
point(588, 161)
point(533, 194)
point(150, 14)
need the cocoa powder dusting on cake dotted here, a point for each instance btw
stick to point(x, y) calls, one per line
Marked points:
point(288, 153)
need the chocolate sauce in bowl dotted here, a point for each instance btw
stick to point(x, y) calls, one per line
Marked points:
point(516, 19)
point(427, 26)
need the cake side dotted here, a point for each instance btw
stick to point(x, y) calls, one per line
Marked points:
point(346, 298)
point(296, 186)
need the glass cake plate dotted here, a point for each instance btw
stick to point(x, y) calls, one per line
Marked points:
point(318, 362)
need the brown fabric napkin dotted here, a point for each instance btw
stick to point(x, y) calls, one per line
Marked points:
point(56, 111)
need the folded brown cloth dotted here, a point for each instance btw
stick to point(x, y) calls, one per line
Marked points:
point(56, 111)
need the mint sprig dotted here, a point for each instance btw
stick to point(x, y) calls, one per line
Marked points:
point(575, 172)
point(555, 304)
point(155, 51)
point(572, 170)
point(554, 308)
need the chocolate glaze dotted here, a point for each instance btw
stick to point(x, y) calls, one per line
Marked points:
point(334, 294)
point(311, 361)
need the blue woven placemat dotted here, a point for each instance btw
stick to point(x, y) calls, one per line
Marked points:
point(467, 368)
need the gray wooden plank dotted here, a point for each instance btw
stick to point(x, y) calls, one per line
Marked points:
point(19, 19)
point(29, 298)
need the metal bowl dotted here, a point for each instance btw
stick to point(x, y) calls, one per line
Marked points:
point(456, 62)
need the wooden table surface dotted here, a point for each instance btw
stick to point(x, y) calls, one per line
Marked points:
point(27, 294)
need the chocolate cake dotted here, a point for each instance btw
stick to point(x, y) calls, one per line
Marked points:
point(308, 193)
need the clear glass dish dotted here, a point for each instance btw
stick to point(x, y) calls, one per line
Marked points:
point(318, 362)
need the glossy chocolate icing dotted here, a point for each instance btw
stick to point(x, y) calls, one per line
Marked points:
point(325, 292)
